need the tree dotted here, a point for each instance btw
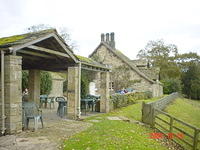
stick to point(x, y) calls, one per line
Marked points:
point(63, 32)
point(161, 55)
point(156, 51)
point(184, 60)
point(191, 80)
point(171, 85)
point(121, 77)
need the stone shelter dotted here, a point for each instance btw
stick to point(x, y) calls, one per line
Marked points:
point(43, 50)
point(140, 70)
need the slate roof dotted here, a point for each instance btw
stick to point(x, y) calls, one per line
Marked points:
point(87, 60)
point(124, 58)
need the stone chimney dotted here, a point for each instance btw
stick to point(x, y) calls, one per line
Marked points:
point(102, 37)
point(110, 39)
point(107, 37)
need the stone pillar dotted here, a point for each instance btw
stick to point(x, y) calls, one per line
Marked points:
point(104, 90)
point(13, 94)
point(73, 89)
point(34, 86)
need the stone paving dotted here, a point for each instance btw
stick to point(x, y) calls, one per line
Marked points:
point(49, 138)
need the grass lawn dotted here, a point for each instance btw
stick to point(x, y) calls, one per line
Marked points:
point(115, 134)
point(187, 111)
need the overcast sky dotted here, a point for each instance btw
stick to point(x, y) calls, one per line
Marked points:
point(134, 22)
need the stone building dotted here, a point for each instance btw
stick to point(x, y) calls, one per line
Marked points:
point(140, 70)
point(36, 51)
point(57, 85)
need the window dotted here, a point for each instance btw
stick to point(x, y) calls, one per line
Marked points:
point(111, 85)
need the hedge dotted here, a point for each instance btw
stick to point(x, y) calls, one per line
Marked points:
point(118, 100)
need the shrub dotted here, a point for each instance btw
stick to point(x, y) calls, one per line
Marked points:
point(84, 84)
point(45, 83)
point(119, 100)
point(171, 85)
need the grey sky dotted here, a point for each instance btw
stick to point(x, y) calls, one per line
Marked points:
point(134, 22)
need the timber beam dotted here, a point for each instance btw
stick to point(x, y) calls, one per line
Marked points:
point(50, 51)
point(28, 52)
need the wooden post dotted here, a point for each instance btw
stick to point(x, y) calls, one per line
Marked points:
point(196, 136)
point(152, 116)
point(171, 124)
point(143, 111)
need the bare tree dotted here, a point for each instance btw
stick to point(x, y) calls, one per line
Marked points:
point(63, 32)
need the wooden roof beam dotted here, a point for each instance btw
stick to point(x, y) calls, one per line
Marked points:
point(42, 49)
point(35, 54)
point(98, 70)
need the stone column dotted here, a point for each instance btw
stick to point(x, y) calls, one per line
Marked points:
point(13, 94)
point(34, 86)
point(104, 90)
point(73, 89)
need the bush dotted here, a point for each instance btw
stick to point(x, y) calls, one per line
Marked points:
point(119, 100)
point(171, 85)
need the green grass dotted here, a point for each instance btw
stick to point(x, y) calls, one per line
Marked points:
point(113, 134)
point(132, 111)
point(187, 111)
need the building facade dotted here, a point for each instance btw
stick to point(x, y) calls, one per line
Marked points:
point(146, 77)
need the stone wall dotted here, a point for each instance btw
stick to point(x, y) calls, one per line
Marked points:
point(148, 108)
point(57, 86)
point(157, 89)
point(152, 73)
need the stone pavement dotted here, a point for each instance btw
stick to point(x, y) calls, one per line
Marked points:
point(49, 138)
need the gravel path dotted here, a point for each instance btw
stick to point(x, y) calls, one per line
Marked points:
point(49, 138)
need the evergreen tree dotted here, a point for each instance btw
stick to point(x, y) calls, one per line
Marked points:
point(191, 80)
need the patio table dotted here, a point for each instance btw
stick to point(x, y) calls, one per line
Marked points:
point(43, 100)
point(62, 106)
point(88, 101)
